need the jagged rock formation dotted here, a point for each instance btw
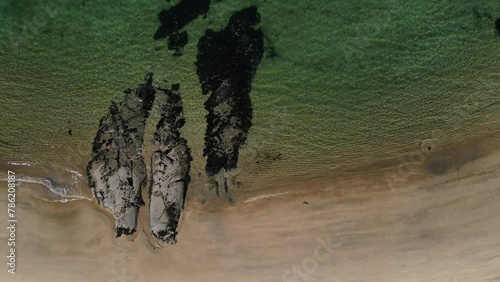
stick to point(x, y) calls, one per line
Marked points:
point(170, 166)
point(117, 171)
point(226, 64)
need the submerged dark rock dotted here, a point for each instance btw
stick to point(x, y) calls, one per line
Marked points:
point(178, 16)
point(170, 164)
point(117, 171)
point(176, 42)
point(270, 49)
point(226, 64)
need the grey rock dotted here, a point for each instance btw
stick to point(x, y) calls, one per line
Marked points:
point(170, 166)
point(117, 171)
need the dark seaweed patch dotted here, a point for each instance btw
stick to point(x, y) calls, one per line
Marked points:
point(180, 15)
point(125, 231)
point(231, 54)
point(437, 167)
point(226, 64)
point(176, 42)
point(497, 26)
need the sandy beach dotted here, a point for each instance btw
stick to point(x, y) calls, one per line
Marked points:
point(430, 227)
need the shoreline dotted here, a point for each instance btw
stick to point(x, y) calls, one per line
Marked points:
point(425, 226)
point(423, 222)
point(408, 170)
point(392, 173)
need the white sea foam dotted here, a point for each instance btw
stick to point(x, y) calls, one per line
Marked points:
point(76, 173)
point(64, 192)
point(20, 163)
point(255, 198)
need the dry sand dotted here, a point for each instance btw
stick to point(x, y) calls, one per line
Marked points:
point(434, 225)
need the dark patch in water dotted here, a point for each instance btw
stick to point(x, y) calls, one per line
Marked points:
point(232, 53)
point(270, 49)
point(70, 130)
point(5, 144)
point(268, 157)
point(179, 16)
point(481, 15)
point(226, 64)
point(176, 42)
point(437, 167)
point(271, 52)
point(497, 26)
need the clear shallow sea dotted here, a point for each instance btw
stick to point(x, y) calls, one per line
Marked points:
point(342, 82)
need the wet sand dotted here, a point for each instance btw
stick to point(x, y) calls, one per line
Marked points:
point(355, 227)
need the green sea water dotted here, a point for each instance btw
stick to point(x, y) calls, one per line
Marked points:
point(342, 82)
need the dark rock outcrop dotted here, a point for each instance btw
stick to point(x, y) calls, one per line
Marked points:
point(226, 64)
point(497, 26)
point(170, 166)
point(117, 171)
point(178, 16)
point(176, 42)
